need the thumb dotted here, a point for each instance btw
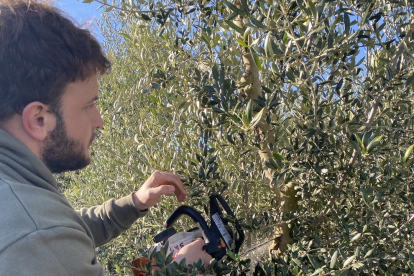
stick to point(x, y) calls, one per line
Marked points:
point(163, 190)
point(198, 243)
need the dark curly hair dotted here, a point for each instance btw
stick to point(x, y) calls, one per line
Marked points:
point(41, 51)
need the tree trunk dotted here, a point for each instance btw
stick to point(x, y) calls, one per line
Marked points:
point(251, 87)
point(289, 203)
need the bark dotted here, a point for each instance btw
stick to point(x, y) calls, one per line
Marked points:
point(289, 203)
point(251, 88)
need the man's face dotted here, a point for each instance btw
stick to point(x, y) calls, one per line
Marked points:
point(66, 147)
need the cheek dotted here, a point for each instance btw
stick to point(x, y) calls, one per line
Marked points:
point(78, 127)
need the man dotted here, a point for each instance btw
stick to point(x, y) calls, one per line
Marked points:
point(48, 117)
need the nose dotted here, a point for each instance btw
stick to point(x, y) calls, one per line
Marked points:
point(98, 121)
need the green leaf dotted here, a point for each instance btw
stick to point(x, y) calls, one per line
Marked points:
point(205, 38)
point(245, 5)
point(217, 110)
point(155, 85)
point(246, 34)
point(321, 6)
point(76, 190)
point(314, 262)
point(330, 41)
point(257, 60)
point(366, 14)
point(234, 8)
point(232, 256)
point(87, 1)
point(271, 164)
point(407, 153)
point(358, 265)
point(241, 42)
point(285, 38)
point(232, 16)
point(257, 23)
point(268, 45)
point(358, 252)
point(360, 143)
point(236, 119)
point(257, 118)
point(356, 237)
point(317, 30)
point(159, 273)
point(409, 162)
point(333, 259)
point(302, 7)
point(145, 17)
point(355, 146)
point(182, 263)
point(364, 195)
point(410, 79)
point(245, 120)
point(366, 138)
point(348, 261)
point(297, 262)
point(278, 156)
point(154, 99)
point(196, 193)
point(290, 75)
point(215, 73)
point(347, 23)
point(313, 10)
point(411, 256)
point(171, 77)
point(169, 257)
point(126, 36)
point(234, 26)
point(249, 109)
point(375, 142)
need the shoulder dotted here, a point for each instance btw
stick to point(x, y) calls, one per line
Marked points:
point(16, 221)
point(26, 209)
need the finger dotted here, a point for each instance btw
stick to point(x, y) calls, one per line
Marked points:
point(180, 191)
point(163, 190)
point(175, 180)
point(198, 243)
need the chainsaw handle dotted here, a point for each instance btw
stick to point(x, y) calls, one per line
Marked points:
point(213, 205)
point(195, 215)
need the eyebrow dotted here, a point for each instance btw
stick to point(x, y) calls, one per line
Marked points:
point(94, 99)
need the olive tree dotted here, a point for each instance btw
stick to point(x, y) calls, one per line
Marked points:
point(298, 112)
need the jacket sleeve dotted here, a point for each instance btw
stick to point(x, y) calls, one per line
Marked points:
point(110, 219)
point(56, 251)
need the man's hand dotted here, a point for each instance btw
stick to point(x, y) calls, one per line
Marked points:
point(158, 184)
point(193, 252)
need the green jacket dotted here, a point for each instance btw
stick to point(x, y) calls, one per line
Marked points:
point(40, 233)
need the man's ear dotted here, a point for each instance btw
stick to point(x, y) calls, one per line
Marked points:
point(37, 121)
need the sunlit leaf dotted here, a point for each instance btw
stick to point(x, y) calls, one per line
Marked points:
point(334, 259)
point(349, 260)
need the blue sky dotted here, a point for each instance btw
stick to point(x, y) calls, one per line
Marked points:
point(82, 12)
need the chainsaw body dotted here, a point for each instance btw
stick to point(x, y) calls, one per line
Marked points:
point(218, 238)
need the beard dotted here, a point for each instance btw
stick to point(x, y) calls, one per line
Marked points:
point(61, 153)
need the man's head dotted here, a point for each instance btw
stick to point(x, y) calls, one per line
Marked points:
point(48, 82)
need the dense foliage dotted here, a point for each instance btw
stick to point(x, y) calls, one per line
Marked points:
point(298, 112)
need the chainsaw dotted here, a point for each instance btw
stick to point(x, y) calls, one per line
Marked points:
point(218, 238)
